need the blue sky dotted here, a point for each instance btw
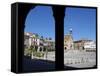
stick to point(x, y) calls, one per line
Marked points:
point(40, 20)
point(82, 21)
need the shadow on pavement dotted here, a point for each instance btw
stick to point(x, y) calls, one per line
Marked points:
point(37, 65)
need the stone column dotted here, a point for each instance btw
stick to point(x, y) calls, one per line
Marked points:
point(59, 13)
point(21, 15)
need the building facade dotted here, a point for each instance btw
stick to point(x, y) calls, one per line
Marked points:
point(39, 43)
point(50, 44)
point(90, 46)
point(79, 44)
point(84, 44)
point(68, 41)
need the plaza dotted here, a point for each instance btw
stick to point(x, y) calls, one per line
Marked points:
point(77, 54)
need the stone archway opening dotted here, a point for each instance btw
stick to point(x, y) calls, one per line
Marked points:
point(58, 17)
point(40, 27)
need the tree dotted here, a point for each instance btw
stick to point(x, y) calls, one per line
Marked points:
point(37, 36)
point(36, 47)
point(50, 38)
point(31, 51)
point(41, 37)
point(46, 38)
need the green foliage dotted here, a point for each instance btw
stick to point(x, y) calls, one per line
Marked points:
point(28, 51)
point(33, 49)
point(39, 54)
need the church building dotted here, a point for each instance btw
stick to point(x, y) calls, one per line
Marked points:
point(68, 41)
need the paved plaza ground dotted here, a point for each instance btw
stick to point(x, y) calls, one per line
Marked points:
point(80, 59)
point(37, 65)
point(72, 59)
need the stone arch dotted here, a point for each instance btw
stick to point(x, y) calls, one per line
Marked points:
point(58, 14)
point(33, 14)
point(21, 13)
